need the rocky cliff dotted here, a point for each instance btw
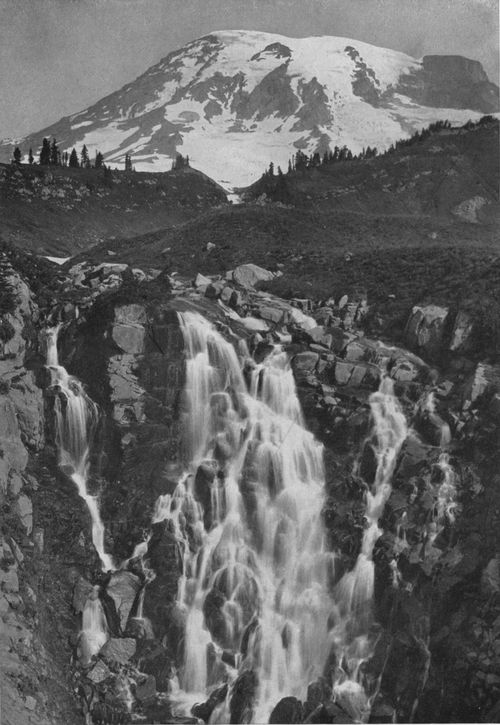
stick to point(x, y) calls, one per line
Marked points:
point(437, 581)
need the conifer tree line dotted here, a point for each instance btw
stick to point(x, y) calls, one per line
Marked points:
point(301, 161)
point(50, 155)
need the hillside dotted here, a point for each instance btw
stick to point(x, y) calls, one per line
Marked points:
point(448, 173)
point(59, 211)
point(234, 100)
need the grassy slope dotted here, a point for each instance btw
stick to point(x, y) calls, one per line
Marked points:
point(60, 211)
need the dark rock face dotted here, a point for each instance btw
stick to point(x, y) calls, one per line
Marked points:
point(288, 710)
point(452, 81)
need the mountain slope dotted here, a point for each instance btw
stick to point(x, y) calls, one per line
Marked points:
point(234, 100)
point(59, 211)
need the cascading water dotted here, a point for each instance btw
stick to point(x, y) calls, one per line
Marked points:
point(76, 418)
point(255, 567)
point(94, 632)
point(351, 635)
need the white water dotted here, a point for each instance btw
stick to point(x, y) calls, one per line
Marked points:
point(352, 636)
point(94, 633)
point(76, 417)
point(430, 408)
point(263, 549)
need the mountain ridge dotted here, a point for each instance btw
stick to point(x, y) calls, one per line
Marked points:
point(235, 100)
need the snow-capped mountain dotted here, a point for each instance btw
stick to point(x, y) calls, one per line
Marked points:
point(236, 100)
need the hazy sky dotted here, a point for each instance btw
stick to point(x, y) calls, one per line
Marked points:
point(58, 56)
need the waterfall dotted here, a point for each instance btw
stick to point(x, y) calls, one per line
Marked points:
point(247, 516)
point(76, 416)
point(354, 619)
point(94, 632)
point(430, 408)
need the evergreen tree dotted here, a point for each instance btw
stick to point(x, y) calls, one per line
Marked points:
point(31, 160)
point(271, 169)
point(180, 162)
point(17, 155)
point(290, 168)
point(99, 160)
point(45, 153)
point(73, 159)
point(55, 156)
point(84, 157)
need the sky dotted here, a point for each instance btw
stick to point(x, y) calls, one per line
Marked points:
point(59, 56)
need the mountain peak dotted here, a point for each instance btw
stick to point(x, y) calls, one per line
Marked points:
point(234, 100)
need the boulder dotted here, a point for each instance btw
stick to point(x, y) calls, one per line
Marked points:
point(254, 324)
point(302, 321)
point(130, 314)
point(119, 650)
point(204, 710)
point(485, 378)
point(271, 314)
point(99, 672)
point(462, 332)
point(425, 328)
point(247, 275)
point(145, 690)
point(288, 710)
point(304, 363)
point(129, 337)
point(202, 281)
point(242, 696)
point(123, 587)
point(404, 371)
point(24, 510)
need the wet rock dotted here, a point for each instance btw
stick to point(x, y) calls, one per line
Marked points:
point(204, 481)
point(81, 592)
point(119, 650)
point(145, 690)
point(204, 710)
point(329, 712)
point(99, 672)
point(215, 619)
point(319, 692)
point(155, 659)
point(425, 328)
point(242, 697)
point(123, 587)
point(288, 710)
point(247, 275)
point(461, 336)
point(165, 560)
